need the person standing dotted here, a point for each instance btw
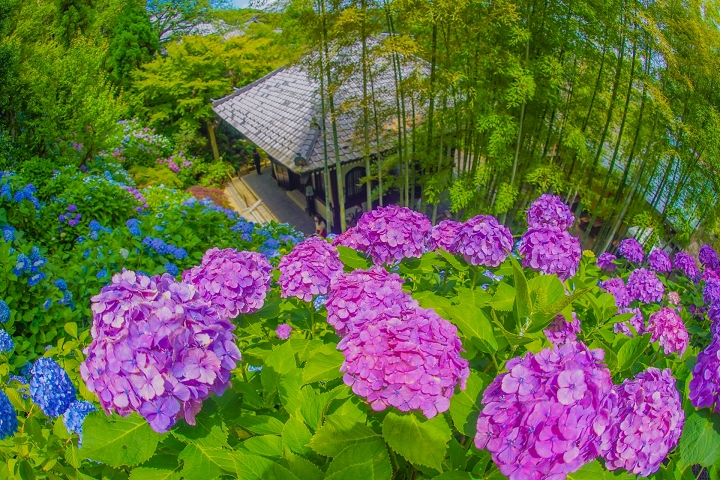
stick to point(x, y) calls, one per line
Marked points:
point(320, 227)
point(310, 198)
point(256, 160)
point(358, 212)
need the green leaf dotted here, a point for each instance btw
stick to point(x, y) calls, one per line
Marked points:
point(205, 462)
point(504, 298)
point(594, 470)
point(296, 436)
point(71, 328)
point(452, 260)
point(465, 405)
point(474, 326)
point(144, 473)
point(118, 441)
point(700, 440)
point(262, 424)
point(208, 430)
point(352, 258)
point(302, 468)
point(265, 445)
point(477, 297)
point(419, 440)
point(631, 351)
point(454, 475)
point(546, 289)
point(289, 390)
point(72, 455)
point(339, 433)
point(541, 319)
point(280, 362)
point(367, 460)
point(254, 467)
point(322, 367)
point(523, 303)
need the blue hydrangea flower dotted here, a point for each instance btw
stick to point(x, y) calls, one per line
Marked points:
point(50, 387)
point(6, 342)
point(319, 302)
point(134, 226)
point(36, 258)
point(6, 192)
point(4, 312)
point(272, 243)
point(61, 284)
point(47, 304)
point(158, 228)
point(252, 368)
point(36, 278)
point(8, 417)
point(172, 269)
point(95, 226)
point(75, 415)
point(8, 233)
point(80, 239)
point(86, 253)
point(67, 300)
point(22, 264)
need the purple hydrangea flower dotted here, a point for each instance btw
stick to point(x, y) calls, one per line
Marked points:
point(705, 384)
point(552, 251)
point(659, 261)
point(631, 250)
point(283, 331)
point(542, 418)
point(362, 296)
point(647, 422)
point(407, 357)
point(637, 321)
point(644, 285)
point(606, 262)
point(686, 264)
point(711, 291)
point(233, 282)
point(444, 235)
point(616, 287)
point(560, 331)
point(159, 348)
point(709, 257)
point(549, 211)
point(668, 329)
point(389, 234)
point(309, 269)
point(483, 241)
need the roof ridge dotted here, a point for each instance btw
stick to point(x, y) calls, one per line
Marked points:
point(247, 87)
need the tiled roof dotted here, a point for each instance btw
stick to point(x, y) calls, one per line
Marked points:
point(281, 114)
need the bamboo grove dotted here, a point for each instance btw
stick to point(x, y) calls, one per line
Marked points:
point(611, 104)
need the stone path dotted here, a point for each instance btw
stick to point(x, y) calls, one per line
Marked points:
point(275, 202)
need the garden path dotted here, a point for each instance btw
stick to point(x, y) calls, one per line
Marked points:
point(280, 205)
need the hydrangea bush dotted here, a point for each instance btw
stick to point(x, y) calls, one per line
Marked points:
point(400, 352)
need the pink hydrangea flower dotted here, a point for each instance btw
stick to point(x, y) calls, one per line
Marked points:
point(669, 330)
point(283, 331)
point(483, 241)
point(233, 282)
point(549, 211)
point(407, 358)
point(673, 298)
point(542, 418)
point(389, 234)
point(644, 285)
point(606, 262)
point(309, 269)
point(445, 235)
point(552, 251)
point(561, 331)
point(647, 421)
point(158, 348)
point(365, 295)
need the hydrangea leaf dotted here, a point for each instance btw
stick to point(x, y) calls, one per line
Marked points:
point(301, 467)
point(262, 424)
point(452, 260)
point(254, 467)
point(542, 318)
point(474, 326)
point(296, 436)
point(280, 362)
point(504, 298)
point(265, 445)
point(289, 390)
point(312, 408)
point(631, 351)
point(144, 473)
point(453, 475)
point(417, 439)
point(205, 462)
point(323, 367)
point(72, 455)
point(465, 405)
point(339, 433)
point(118, 441)
point(594, 470)
point(208, 429)
point(523, 306)
point(367, 460)
point(352, 259)
point(700, 441)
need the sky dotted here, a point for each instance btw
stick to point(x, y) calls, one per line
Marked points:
point(240, 3)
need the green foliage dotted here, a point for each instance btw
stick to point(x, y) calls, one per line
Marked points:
point(133, 43)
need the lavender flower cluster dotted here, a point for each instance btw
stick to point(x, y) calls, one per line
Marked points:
point(543, 417)
point(445, 235)
point(483, 241)
point(389, 234)
point(647, 420)
point(644, 285)
point(70, 216)
point(686, 264)
point(549, 211)
point(606, 262)
point(631, 250)
point(705, 384)
point(159, 348)
point(659, 261)
point(709, 257)
point(309, 269)
point(234, 282)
